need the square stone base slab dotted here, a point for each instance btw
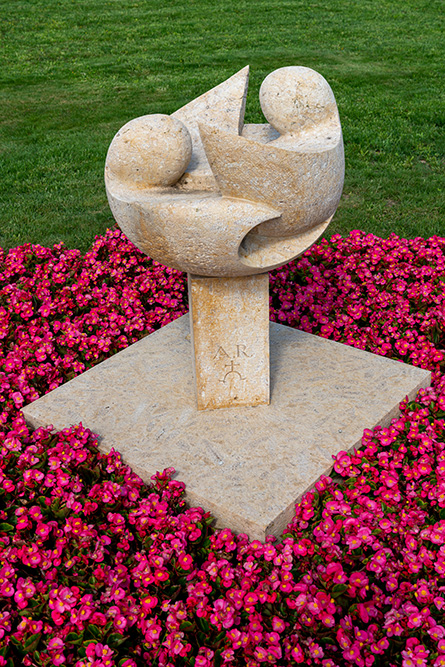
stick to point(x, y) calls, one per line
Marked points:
point(246, 465)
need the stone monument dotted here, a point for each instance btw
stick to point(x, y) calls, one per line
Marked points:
point(225, 201)
point(202, 192)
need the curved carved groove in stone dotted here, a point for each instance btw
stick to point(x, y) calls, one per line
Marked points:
point(207, 233)
point(261, 132)
point(224, 106)
point(264, 252)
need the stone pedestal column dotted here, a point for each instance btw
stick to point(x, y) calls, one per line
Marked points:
point(230, 336)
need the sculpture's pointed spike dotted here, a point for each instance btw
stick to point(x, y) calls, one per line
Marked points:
point(223, 105)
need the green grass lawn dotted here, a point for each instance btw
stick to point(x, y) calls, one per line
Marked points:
point(74, 71)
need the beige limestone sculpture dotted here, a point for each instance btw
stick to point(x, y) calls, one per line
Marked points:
point(226, 202)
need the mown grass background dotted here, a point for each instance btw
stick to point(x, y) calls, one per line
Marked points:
point(72, 72)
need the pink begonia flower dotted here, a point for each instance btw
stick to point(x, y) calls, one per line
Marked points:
point(20, 600)
point(223, 613)
point(18, 399)
point(343, 639)
point(315, 650)
point(35, 626)
point(42, 530)
point(327, 619)
point(415, 620)
point(202, 661)
point(185, 561)
point(260, 653)
point(120, 622)
point(153, 632)
point(55, 644)
point(436, 632)
point(97, 618)
point(57, 617)
point(7, 589)
point(278, 624)
point(26, 587)
point(352, 654)
point(119, 593)
point(297, 653)
point(149, 602)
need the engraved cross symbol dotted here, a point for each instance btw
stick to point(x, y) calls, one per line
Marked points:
point(232, 370)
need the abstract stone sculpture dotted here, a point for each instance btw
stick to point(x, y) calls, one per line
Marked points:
point(226, 202)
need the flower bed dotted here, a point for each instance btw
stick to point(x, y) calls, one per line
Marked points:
point(98, 569)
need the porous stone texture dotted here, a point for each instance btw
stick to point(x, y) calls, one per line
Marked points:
point(251, 199)
point(230, 338)
point(261, 132)
point(297, 100)
point(224, 106)
point(197, 232)
point(247, 465)
point(303, 187)
point(150, 151)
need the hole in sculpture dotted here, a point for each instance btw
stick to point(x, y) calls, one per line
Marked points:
point(267, 252)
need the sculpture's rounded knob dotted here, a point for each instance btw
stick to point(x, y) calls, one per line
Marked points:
point(150, 151)
point(297, 99)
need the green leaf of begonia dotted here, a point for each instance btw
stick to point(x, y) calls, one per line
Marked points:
point(201, 637)
point(186, 626)
point(338, 589)
point(203, 624)
point(6, 527)
point(18, 644)
point(327, 640)
point(220, 637)
point(114, 640)
point(36, 656)
point(32, 642)
point(94, 632)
